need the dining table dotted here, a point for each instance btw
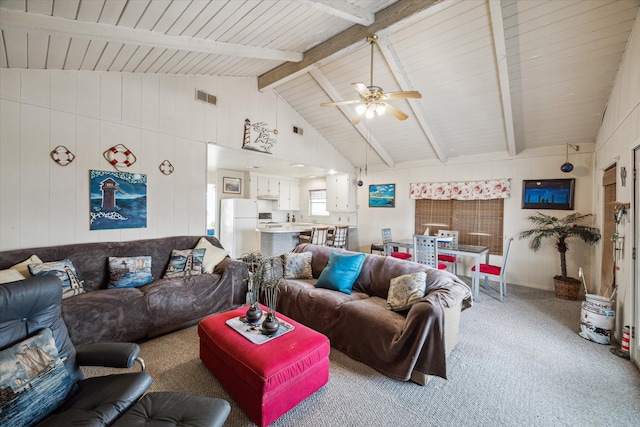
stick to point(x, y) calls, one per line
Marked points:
point(474, 251)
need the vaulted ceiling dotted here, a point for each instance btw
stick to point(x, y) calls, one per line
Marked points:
point(496, 76)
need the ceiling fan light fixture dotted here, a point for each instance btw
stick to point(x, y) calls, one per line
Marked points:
point(369, 113)
point(361, 108)
point(381, 107)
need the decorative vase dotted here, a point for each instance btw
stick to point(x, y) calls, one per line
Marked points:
point(254, 313)
point(568, 288)
point(270, 324)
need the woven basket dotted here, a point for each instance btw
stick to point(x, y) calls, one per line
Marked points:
point(567, 289)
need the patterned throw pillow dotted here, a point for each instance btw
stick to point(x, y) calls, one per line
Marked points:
point(186, 262)
point(297, 265)
point(34, 380)
point(65, 271)
point(129, 272)
point(213, 255)
point(406, 290)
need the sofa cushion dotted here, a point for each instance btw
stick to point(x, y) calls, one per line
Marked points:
point(23, 267)
point(10, 275)
point(341, 271)
point(186, 262)
point(213, 255)
point(65, 271)
point(297, 265)
point(405, 290)
point(129, 272)
point(34, 381)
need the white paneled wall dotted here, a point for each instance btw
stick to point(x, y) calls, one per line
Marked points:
point(155, 116)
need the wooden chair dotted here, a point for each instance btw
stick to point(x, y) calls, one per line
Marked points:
point(497, 272)
point(449, 259)
point(390, 251)
point(339, 237)
point(425, 251)
point(319, 236)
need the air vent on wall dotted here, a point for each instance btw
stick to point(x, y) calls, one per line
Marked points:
point(204, 96)
point(298, 130)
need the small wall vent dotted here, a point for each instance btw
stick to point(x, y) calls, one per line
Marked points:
point(298, 130)
point(205, 97)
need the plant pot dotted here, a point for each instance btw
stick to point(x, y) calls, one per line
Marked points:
point(270, 324)
point(568, 288)
point(254, 314)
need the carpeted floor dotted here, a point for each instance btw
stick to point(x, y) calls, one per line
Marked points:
point(517, 363)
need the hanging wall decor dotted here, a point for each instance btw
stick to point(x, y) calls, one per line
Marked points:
point(166, 167)
point(62, 156)
point(258, 138)
point(119, 156)
point(117, 200)
point(382, 196)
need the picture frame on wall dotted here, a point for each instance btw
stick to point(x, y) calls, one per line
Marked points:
point(548, 193)
point(382, 196)
point(231, 185)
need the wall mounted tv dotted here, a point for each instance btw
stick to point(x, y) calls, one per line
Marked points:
point(548, 193)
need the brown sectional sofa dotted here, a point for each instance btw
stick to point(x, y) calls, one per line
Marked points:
point(402, 345)
point(127, 314)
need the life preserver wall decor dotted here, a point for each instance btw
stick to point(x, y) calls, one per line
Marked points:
point(62, 156)
point(166, 167)
point(119, 156)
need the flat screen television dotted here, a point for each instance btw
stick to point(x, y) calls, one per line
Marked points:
point(548, 193)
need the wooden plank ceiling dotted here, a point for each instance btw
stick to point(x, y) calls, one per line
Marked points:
point(496, 76)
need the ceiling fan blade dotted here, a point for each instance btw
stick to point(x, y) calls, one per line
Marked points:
point(357, 119)
point(362, 89)
point(332, 104)
point(396, 113)
point(405, 94)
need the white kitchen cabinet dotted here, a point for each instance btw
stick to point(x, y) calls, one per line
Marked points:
point(341, 193)
point(289, 197)
point(267, 187)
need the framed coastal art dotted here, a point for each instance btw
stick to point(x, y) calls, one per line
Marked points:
point(382, 196)
point(117, 200)
point(548, 193)
point(231, 185)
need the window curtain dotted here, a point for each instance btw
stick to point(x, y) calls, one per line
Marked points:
point(462, 190)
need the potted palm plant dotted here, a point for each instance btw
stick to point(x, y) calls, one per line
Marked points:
point(560, 229)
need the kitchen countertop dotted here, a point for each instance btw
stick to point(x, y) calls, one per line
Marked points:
point(292, 227)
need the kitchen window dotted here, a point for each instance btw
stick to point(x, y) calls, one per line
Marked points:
point(318, 203)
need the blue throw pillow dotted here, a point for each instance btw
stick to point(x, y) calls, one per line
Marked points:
point(34, 380)
point(129, 272)
point(341, 272)
point(65, 271)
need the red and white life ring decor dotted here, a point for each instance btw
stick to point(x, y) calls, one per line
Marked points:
point(62, 156)
point(166, 167)
point(119, 156)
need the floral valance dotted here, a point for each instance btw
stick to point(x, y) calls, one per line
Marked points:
point(462, 190)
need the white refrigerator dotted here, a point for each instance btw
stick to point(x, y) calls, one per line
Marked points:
point(238, 226)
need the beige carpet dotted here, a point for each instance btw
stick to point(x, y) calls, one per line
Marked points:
point(519, 363)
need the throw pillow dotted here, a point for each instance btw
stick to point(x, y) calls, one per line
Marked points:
point(405, 290)
point(341, 272)
point(187, 262)
point(65, 271)
point(297, 265)
point(10, 275)
point(34, 380)
point(23, 267)
point(129, 272)
point(213, 255)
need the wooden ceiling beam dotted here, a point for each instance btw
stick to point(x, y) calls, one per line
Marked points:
point(54, 25)
point(356, 34)
point(344, 10)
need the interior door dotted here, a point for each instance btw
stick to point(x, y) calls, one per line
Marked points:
point(607, 274)
point(634, 346)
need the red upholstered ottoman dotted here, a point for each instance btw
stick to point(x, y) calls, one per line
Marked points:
point(268, 379)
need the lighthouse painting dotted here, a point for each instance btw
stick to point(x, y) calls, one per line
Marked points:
point(118, 200)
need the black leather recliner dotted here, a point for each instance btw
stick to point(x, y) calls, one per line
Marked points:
point(31, 305)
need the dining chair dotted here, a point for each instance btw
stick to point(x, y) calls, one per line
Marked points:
point(388, 250)
point(319, 235)
point(339, 237)
point(497, 272)
point(425, 251)
point(445, 258)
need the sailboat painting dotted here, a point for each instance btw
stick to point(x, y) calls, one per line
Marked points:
point(33, 380)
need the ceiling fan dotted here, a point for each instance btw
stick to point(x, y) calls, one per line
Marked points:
point(373, 98)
